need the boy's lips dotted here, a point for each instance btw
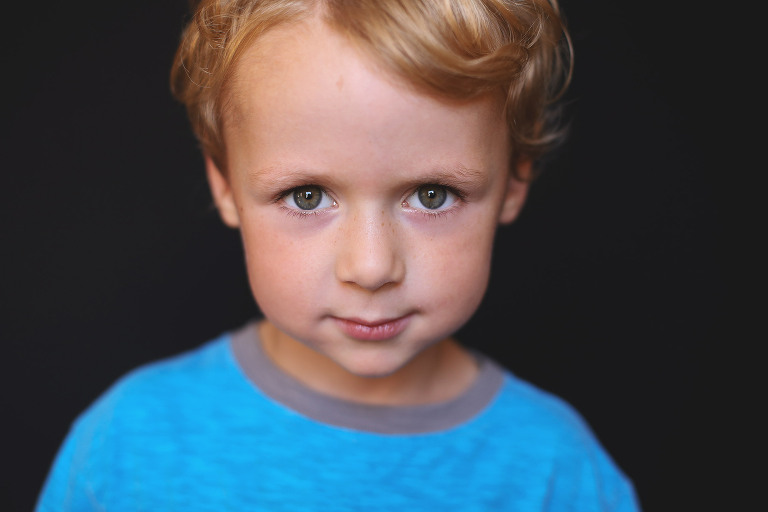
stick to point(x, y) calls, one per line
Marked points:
point(372, 330)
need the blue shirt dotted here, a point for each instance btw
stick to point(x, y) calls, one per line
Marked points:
point(196, 433)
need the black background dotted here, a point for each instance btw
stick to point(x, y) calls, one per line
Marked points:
point(607, 290)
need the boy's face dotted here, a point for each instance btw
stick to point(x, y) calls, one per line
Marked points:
point(367, 210)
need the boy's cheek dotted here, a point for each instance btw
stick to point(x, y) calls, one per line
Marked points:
point(278, 281)
point(284, 257)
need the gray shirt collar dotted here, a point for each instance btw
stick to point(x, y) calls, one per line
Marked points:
point(383, 419)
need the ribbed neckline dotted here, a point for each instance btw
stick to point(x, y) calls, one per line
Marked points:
point(384, 419)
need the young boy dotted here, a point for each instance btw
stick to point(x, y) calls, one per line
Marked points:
point(366, 150)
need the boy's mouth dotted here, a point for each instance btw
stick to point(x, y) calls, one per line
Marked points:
point(372, 330)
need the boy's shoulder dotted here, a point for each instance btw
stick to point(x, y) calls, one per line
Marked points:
point(524, 416)
point(165, 388)
point(537, 409)
point(175, 373)
point(530, 424)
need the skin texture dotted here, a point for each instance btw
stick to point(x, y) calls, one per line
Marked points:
point(309, 109)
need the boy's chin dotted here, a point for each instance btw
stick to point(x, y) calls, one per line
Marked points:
point(376, 365)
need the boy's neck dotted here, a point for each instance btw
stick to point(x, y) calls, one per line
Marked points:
point(439, 373)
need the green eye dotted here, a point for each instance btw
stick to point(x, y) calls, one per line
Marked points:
point(432, 197)
point(308, 198)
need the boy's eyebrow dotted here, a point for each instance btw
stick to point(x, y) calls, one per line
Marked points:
point(450, 174)
point(456, 175)
point(284, 176)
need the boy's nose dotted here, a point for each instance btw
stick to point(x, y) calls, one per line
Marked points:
point(368, 253)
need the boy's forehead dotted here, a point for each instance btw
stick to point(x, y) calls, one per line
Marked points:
point(305, 93)
point(307, 61)
point(300, 58)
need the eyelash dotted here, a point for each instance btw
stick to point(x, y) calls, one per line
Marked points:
point(301, 214)
point(430, 214)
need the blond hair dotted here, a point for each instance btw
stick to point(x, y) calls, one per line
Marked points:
point(455, 48)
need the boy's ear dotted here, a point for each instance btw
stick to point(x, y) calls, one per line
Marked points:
point(516, 193)
point(222, 193)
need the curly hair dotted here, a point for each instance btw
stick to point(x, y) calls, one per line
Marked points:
point(455, 48)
